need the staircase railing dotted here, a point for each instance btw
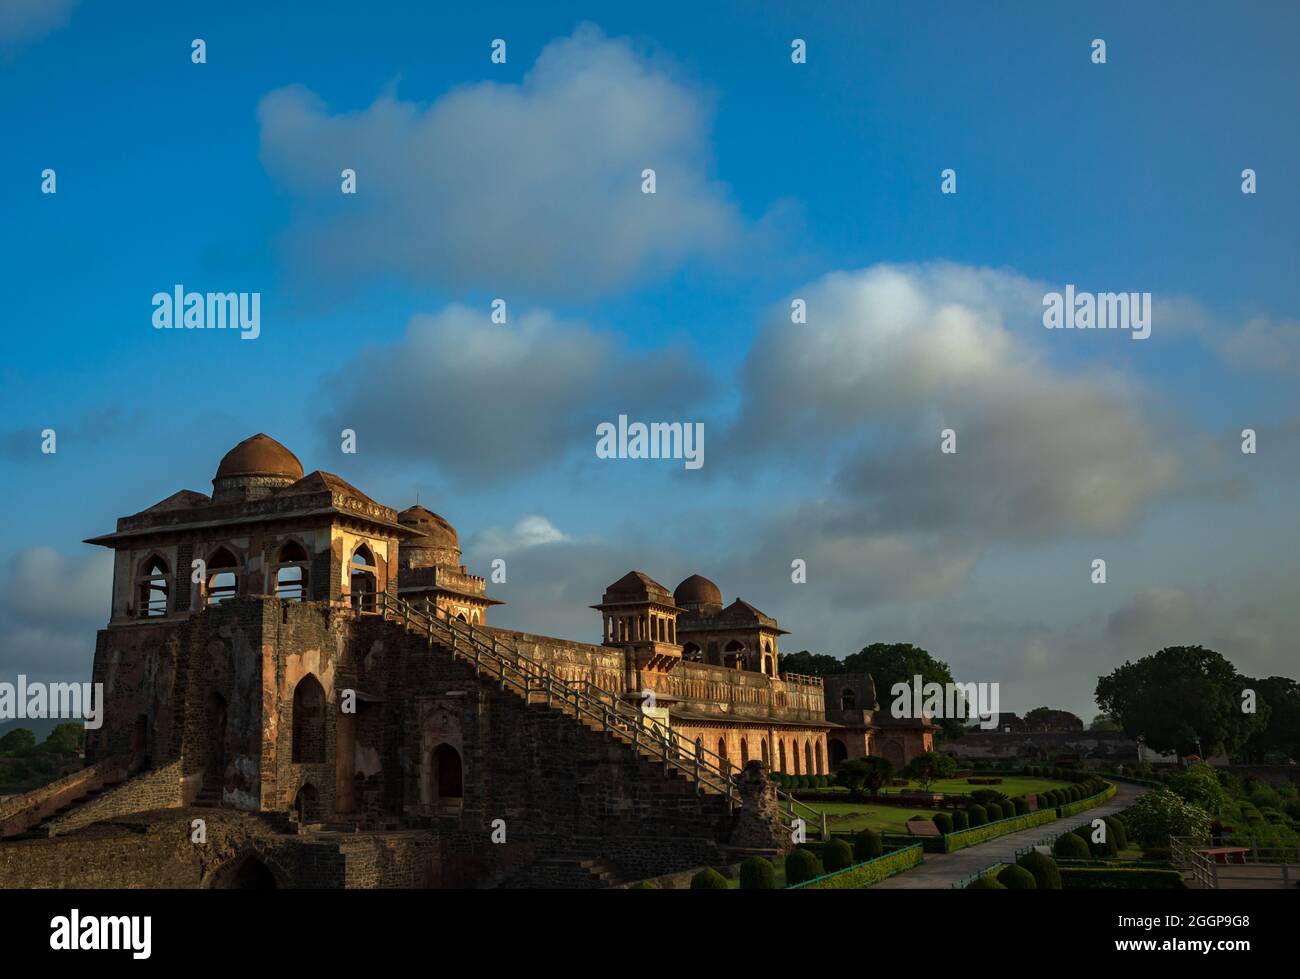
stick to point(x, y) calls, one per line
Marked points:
point(512, 669)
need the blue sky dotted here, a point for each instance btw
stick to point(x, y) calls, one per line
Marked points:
point(521, 181)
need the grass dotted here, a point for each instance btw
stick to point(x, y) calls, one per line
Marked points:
point(1012, 785)
point(853, 816)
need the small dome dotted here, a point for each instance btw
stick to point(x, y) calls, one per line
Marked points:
point(434, 531)
point(260, 455)
point(698, 590)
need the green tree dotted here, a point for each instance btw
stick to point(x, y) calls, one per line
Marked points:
point(1280, 736)
point(870, 773)
point(66, 739)
point(893, 663)
point(18, 742)
point(927, 768)
point(1161, 814)
point(1104, 722)
point(1049, 719)
point(1184, 698)
point(1200, 786)
point(811, 664)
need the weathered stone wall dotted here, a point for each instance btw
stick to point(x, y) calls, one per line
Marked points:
point(21, 812)
point(159, 788)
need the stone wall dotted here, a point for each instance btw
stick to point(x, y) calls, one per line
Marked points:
point(21, 812)
point(157, 789)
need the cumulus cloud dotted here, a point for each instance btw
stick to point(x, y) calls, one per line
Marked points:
point(893, 355)
point(502, 185)
point(50, 606)
point(533, 530)
point(22, 21)
point(483, 401)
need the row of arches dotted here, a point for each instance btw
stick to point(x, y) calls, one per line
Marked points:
point(224, 571)
point(805, 759)
point(735, 655)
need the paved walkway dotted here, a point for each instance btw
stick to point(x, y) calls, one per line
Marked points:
point(942, 870)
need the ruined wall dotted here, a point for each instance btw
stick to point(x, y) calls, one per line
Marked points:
point(160, 788)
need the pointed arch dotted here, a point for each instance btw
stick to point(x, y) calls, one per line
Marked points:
point(223, 576)
point(291, 568)
point(308, 721)
point(363, 581)
point(154, 587)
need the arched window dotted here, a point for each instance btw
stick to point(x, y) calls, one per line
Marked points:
point(223, 576)
point(767, 665)
point(820, 770)
point(780, 750)
point(699, 747)
point(744, 751)
point(307, 804)
point(766, 762)
point(291, 573)
point(794, 751)
point(154, 588)
point(365, 576)
point(448, 777)
point(734, 655)
point(309, 721)
point(848, 699)
point(692, 653)
point(722, 748)
point(808, 759)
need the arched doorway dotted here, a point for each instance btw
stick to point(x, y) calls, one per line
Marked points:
point(818, 752)
point(780, 751)
point(838, 752)
point(894, 754)
point(808, 759)
point(446, 778)
point(252, 875)
point(307, 804)
point(733, 655)
point(309, 721)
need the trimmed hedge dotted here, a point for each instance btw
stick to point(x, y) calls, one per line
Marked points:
point(1016, 878)
point(801, 865)
point(868, 873)
point(984, 884)
point(988, 831)
point(1046, 874)
point(867, 845)
point(1070, 847)
point(944, 821)
point(836, 855)
point(1120, 878)
point(757, 874)
point(960, 820)
point(978, 815)
point(709, 879)
point(1075, 808)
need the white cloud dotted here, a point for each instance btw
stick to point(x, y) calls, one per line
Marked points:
point(500, 185)
point(533, 530)
point(483, 401)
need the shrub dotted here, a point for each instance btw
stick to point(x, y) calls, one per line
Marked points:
point(1021, 804)
point(708, 879)
point(944, 821)
point(960, 820)
point(644, 885)
point(985, 884)
point(1046, 875)
point(1015, 878)
point(1070, 847)
point(1161, 814)
point(837, 855)
point(978, 815)
point(867, 845)
point(757, 874)
point(801, 865)
point(865, 874)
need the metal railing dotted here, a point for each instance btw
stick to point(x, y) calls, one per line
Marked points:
point(615, 715)
point(1259, 866)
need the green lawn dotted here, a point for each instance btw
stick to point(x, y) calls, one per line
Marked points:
point(852, 816)
point(1012, 785)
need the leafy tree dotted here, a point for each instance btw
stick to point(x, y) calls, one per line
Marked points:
point(65, 739)
point(1200, 786)
point(1281, 735)
point(1161, 814)
point(20, 741)
point(1104, 722)
point(1048, 719)
point(869, 772)
point(811, 664)
point(1178, 695)
point(928, 767)
point(893, 663)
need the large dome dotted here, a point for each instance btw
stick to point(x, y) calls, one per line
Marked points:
point(436, 541)
point(697, 590)
point(260, 455)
